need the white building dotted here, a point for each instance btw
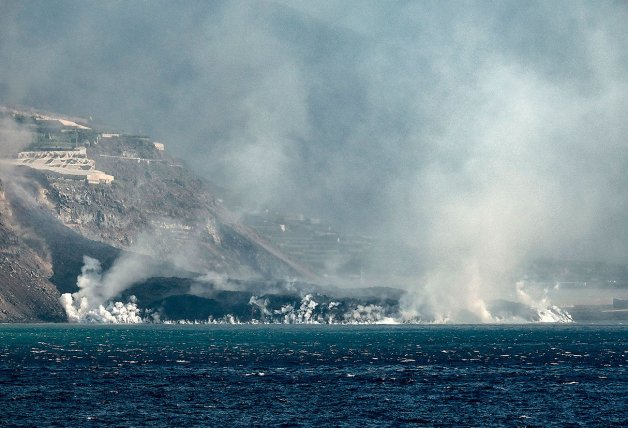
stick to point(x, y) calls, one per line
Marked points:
point(66, 162)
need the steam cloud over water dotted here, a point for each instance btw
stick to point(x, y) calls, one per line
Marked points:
point(93, 302)
point(481, 135)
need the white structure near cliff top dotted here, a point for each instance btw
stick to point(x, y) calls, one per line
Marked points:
point(159, 146)
point(99, 177)
point(67, 162)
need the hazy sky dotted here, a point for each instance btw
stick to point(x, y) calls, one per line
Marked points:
point(492, 130)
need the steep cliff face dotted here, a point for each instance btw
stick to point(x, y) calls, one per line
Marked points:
point(26, 294)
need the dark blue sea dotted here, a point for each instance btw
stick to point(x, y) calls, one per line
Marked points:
point(308, 375)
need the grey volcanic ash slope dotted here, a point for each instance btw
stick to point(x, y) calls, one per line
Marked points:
point(26, 295)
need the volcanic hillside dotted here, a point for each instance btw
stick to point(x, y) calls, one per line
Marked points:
point(76, 191)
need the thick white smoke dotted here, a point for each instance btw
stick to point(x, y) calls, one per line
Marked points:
point(542, 305)
point(505, 185)
point(486, 134)
point(309, 311)
point(93, 302)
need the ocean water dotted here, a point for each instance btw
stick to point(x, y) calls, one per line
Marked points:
point(308, 375)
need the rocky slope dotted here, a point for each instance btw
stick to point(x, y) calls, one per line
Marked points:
point(155, 209)
point(121, 231)
point(26, 294)
point(157, 206)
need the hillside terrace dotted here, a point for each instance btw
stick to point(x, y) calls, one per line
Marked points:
point(73, 163)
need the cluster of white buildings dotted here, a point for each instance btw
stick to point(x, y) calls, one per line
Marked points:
point(66, 162)
point(56, 153)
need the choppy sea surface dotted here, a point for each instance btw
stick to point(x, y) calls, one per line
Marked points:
point(307, 375)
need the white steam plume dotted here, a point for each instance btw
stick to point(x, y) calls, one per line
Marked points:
point(487, 134)
point(93, 302)
point(519, 191)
